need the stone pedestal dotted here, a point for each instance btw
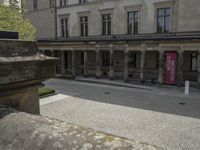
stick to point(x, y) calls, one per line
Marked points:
point(22, 70)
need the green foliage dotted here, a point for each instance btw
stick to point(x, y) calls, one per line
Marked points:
point(45, 91)
point(11, 18)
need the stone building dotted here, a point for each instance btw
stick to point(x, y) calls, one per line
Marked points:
point(155, 41)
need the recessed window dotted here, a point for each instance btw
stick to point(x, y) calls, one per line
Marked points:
point(106, 24)
point(133, 22)
point(63, 3)
point(163, 20)
point(51, 3)
point(84, 25)
point(194, 60)
point(35, 4)
point(82, 1)
point(64, 27)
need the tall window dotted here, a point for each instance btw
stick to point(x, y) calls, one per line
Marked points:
point(194, 60)
point(133, 22)
point(63, 3)
point(106, 24)
point(64, 27)
point(35, 4)
point(84, 25)
point(82, 1)
point(163, 20)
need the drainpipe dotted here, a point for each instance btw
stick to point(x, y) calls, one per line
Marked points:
point(56, 32)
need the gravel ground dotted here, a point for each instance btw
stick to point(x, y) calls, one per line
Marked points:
point(161, 116)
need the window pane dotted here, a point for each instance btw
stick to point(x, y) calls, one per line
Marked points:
point(167, 24)
point(160, 12)
point(109, 28)
point(86, 29)
point(130, 24)
point(136, 27)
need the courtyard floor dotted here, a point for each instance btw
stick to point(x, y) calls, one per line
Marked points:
point(161, 116)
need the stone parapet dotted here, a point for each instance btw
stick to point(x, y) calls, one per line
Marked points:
point(20, 131)
point(22, 70)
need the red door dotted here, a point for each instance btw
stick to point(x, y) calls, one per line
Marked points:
point(170, 70)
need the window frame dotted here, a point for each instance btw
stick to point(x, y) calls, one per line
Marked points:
point(107, 23)
point(164, 17)
point(191, 62)
point(52, 3)
point(85, 25)
point(35, 5)
point(82, 1)
point(133, 20)
point(63, 3)
point(64, 33)
point(165, 4)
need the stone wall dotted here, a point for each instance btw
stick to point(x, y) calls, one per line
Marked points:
point(22, 131)
point(43, 19)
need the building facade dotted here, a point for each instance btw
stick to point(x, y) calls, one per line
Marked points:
point(155, 41)
point(42, 15)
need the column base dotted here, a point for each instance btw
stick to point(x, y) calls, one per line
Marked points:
point(85, 75)
point(142, 81)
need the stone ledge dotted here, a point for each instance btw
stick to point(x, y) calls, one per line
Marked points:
point(19, 131)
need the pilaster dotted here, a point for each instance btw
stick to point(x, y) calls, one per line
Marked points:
point(126, 69)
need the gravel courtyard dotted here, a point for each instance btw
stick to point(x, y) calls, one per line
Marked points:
point(160, 116)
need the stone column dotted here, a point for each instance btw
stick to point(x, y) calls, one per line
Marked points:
point(180, 68)
point(98, 65)
point(142, 65)
point(63, 62)
point(198, 65)
point(111, 67)
point(126, 55)
point(85, 63)
point(53, 53)
point(161, 67)
point(73, 64)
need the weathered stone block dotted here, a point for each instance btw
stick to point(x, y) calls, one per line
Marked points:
point(22, 69)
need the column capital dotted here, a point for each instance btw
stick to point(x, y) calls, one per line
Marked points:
point(126, 49)
point(110, 45)
point(180, 51)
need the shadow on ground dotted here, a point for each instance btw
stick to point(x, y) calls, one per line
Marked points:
point(136, 98)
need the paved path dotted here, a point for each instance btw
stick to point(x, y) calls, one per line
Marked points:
point(152, 117)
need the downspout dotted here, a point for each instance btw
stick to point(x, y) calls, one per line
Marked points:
point(56, 32)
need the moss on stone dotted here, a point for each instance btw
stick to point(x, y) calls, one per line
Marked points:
point(45, 91)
